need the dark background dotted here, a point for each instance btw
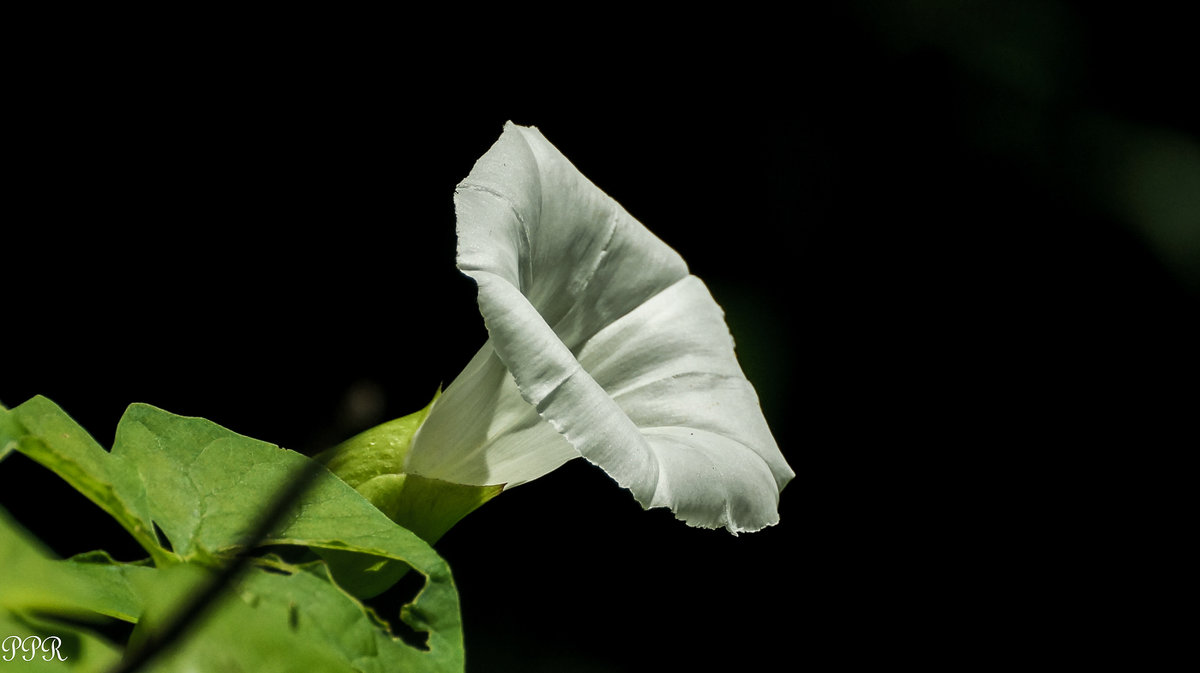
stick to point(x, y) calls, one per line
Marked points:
point(957, 245)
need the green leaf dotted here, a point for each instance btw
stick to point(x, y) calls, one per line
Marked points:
point(82, 587)
point(244, 632)
point(39, 592)
point(44, 432)
point(79, 651)
point(317, 611)
point(10, 432)
point(206, 487)
point(291, 621)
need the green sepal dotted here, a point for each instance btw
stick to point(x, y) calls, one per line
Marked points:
point(377, 451)
point(373, 463)
point(427, 507)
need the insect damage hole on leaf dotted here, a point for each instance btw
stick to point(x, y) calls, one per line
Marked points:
point(387, 607)
point(163, 541)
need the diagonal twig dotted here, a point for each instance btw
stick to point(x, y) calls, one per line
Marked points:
point(192, 611)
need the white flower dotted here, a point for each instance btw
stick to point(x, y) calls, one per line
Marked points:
point(602, 345)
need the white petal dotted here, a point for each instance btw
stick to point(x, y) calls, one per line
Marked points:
point(481, 432)
point(527, 215)
point(670, 367)
point(607, 336)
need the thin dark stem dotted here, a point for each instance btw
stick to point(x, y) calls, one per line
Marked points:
point(195, 608)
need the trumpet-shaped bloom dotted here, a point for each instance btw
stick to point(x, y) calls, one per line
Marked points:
point(601, 345)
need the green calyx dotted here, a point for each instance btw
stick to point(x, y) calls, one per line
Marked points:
point(373, 463)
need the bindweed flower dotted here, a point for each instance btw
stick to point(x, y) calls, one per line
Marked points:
point(601, 345)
